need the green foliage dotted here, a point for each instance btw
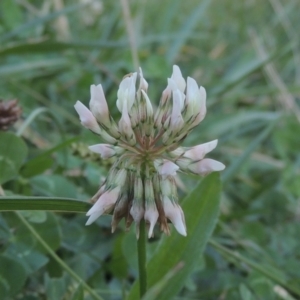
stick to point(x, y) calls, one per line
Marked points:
point(246, 54)
point(13, 152)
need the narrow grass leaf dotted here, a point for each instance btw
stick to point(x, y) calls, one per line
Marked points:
point(186, 30)
point(272, 273)
point(43, 203)
point(41, 20)
point(236, 165)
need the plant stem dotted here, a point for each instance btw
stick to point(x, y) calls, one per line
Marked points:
point(141, 247)
point(57, 258)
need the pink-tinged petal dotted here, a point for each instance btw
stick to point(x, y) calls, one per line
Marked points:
point(98, 104)
point(87, 119)
point(177, 77)
point(198, 152)
point(206, 166)
point(151, 215)
point(175, 214)
point(105, 150)
point(104, 204)
point(165, 167)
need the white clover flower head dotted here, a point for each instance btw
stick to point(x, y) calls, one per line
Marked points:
point(145, 148)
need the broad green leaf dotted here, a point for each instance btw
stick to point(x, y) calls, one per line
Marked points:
point(13, 152)
point(78, 294)
point(43, 161)
point(55, 287)
point(245, 293)
point(54, 185)
point(43, 203)
point(48, 230)
point(155, 292)
point(201, 209)
point(12, 15)
point(118, 265)
point(35, 216)
point(30, 259)
point(36, 166)
point(12, 275)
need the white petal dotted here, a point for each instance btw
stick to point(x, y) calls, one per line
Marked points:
point(199, 151)
point(98, 104)
point(192, 91)
point(86, 117)
point(126, 92)
point(143, 82)
point(176, 117)
point(105, 150)
point(206, 166)
point(149, 107)
point(177, 77)
point(151, 215)
point(196, 101)
point(132, 90)
point(125, 124)
point(93, 217)
point(174, 212)
point(105, 203)
point(137, 213)
point(168, 168)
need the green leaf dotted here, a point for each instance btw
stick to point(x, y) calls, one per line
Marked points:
point(201, 209)
point(118, 264)
point(49, 230)
point(55, 287)
point(43, 161)
point(156, 291)
point(235, 166)
point(41, 20)
point(43, 203)
point(186, 30)
point(13, 152)
point(12, 15)
point(54, 185)
point(78, 294)
point(12, 276)
point(245, 293)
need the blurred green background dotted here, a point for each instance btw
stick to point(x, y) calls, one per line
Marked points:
point(247, 56)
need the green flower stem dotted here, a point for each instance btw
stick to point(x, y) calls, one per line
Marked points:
point(141, 247)
point(56, 257)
